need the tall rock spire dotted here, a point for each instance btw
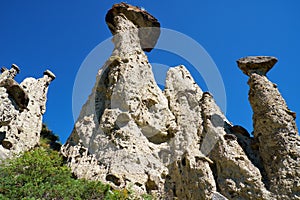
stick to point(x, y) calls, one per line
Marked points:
point(274, 128)
point(126, 118)
point(175, 143)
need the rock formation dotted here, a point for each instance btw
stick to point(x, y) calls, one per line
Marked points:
point(275, 130)
point(21, 109)
point(177, 143)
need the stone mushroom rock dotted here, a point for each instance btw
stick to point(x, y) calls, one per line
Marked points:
point(5, 73)
point(276, 133)
point(256, 64)
point(15, 68)
point(49, 74)
point(176, 143)
point(22, 108)
point(126, 120)
point(149, 27)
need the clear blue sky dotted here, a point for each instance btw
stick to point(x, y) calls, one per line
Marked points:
point(58, 35)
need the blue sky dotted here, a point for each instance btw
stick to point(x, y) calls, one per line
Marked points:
point(58, 35)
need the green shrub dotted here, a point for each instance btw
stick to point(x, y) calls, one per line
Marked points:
point(40, 174)
point(49, 139)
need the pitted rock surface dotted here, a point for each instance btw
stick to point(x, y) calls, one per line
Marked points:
point(256, 64)
point(277, 135)
point(148, 26)
point(177, 143)
point(21, 107)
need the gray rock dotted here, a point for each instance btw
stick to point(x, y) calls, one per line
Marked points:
point(177, 143)
point(218, 196)
point(277, 136)
point(149, 27)
point(8, 110)
point(126, 120)
point(21, 108)
point(49, 74)
point(5, 73)
point(16, 92)
point(189, 168)
point(236, 176)
point(256, 64)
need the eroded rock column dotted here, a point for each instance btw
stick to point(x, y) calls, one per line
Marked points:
point(274, 129)
point(176, 143)
point(126, 119)
point(235, 175)
point(22, 108)
point(190, 176)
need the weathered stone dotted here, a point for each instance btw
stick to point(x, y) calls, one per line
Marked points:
point(16, 92)
point(5, 73)
point(218, 196)
point(256, 64)
point(249, 145)
point(49, 74)
point(189, 168)
point(8, 110)
point(148, 25)
point(235, 174)
point(16, 68)
point(126, 118)
point(21, 109)
point(177, 144)
point(6, 144)
point(239, 130)
point(214, 123)
point(3, 69)
point(277, 136)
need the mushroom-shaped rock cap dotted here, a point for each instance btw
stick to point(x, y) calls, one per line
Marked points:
point(256, 64)
point(50, 74)
point(14, 66)
point(149, 26)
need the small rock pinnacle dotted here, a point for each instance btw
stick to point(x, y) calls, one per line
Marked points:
point(50, 74)
point(14, 66)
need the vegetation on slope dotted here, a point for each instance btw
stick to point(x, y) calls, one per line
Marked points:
point(41, 174)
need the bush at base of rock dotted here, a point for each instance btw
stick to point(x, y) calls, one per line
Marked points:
point(40, 174)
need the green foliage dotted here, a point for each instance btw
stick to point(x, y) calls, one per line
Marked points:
point(147, 197)
point(40, 174)
point(49, 139)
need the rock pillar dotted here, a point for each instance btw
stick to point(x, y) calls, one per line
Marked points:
point(21, 110)
point(274, 128)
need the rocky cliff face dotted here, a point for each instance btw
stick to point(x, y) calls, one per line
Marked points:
point(177, 143)
point(21, 109)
